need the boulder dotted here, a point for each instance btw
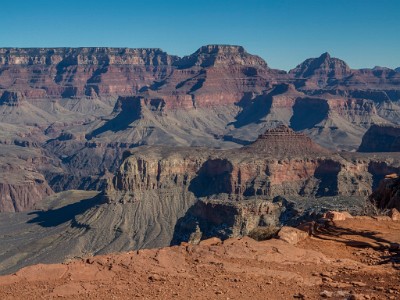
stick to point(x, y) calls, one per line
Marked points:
point(214, 241)
point(292, 235)
point(338, 216)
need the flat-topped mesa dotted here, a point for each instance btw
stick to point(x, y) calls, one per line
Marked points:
point(284, 141)
point(221, 55)
point(85, 56)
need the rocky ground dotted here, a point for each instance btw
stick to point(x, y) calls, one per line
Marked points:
point(357, 258)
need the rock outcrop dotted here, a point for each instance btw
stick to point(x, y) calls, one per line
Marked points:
point(22, 184)
point(387, 195)
point(284, 141)
point(321, 72)
point(381, 138)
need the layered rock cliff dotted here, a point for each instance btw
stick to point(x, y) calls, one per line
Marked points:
point(280, 162)
point(77, 72)
point(22, 183)
point(86, 106)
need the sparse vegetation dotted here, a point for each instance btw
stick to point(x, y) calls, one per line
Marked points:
point(371, 209)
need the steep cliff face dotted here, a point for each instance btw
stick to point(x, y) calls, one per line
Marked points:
point(22, 183)
point(387, 195)
point(219, 93)
point(86, 106)
point(381, 138)
point(22, 196)
point(280, 162)
point(77, 72)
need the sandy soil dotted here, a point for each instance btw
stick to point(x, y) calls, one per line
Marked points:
point(355, 259)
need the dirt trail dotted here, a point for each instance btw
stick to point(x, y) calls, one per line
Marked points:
point(355, 259)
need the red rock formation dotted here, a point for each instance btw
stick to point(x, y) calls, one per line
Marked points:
point(280, 162)
point(322, 71)
point(77, 72)
point(284, 141)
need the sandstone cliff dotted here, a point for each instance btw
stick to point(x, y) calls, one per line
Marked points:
point(280, 162)
point(76, 72)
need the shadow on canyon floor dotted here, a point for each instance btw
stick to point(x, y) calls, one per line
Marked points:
point(56, 217)
point(213, 221)
point(372, 240)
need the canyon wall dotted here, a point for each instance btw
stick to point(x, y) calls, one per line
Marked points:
point(381, 138)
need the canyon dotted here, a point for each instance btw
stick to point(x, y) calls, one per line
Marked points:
point(84, 107)
point(114, 149)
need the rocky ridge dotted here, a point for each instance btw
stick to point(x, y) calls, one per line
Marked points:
point(387, 195)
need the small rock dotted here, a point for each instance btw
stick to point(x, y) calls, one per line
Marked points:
point(356, 297)
point(358, 283)
point(89, 261)
point(338, 216)
point(394, 214)
point(155, 277)
point(341, 293)
point(326, 294)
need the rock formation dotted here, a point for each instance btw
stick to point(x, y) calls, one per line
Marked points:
point(76, 72)
point(84, 107)
point(381, 138)
point(22, 183)
point(387, 195)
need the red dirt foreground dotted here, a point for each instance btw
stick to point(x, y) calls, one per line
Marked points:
point(356, 258)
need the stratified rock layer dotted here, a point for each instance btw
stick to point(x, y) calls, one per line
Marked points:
point(83, 107)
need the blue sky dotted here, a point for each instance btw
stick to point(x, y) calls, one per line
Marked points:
point(364, 33)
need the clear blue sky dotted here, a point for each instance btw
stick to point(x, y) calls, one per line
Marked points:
point(364, 33)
